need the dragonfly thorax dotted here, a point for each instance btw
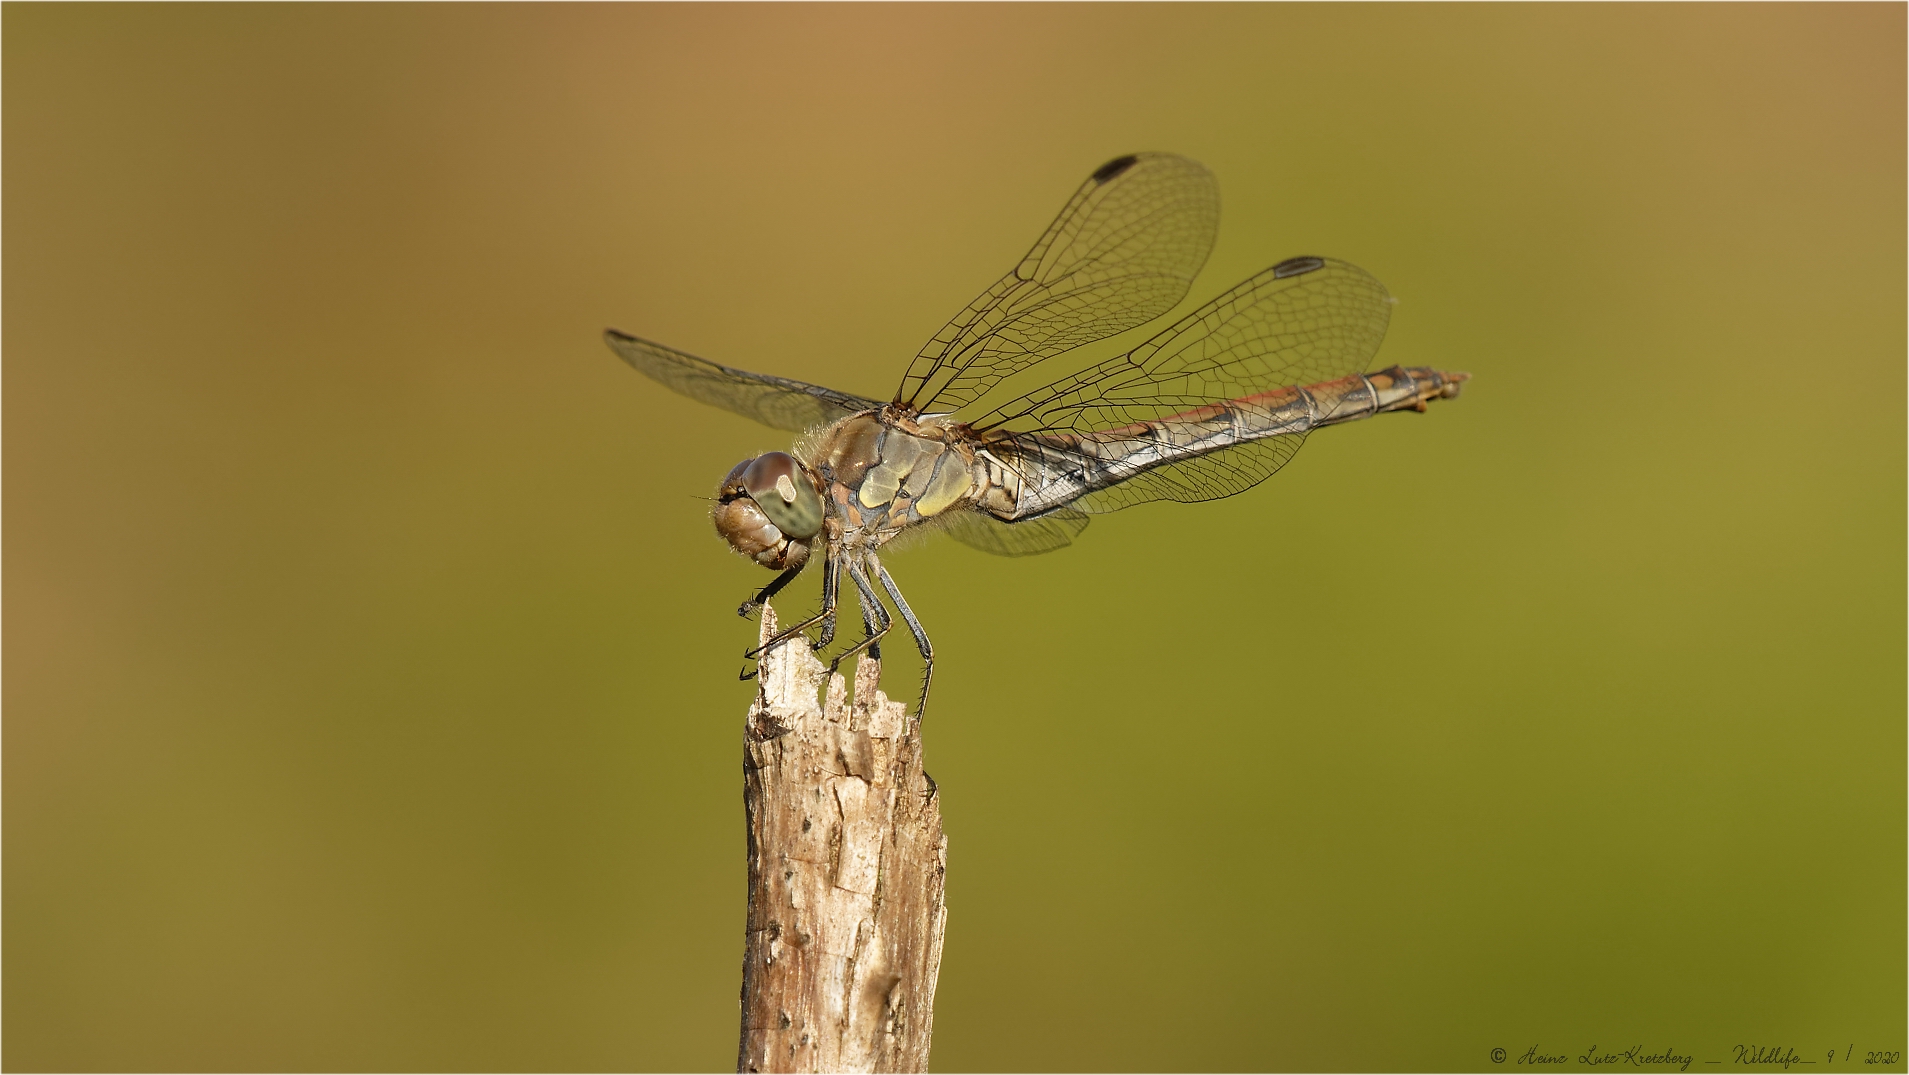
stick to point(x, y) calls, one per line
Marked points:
point(886, 472)
point(769, 509)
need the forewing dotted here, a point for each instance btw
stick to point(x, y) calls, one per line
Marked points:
point(1027, 537)
point(1122, 252)
point(1301, 322)
point(773, 401)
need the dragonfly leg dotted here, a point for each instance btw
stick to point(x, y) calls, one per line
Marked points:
point(914, 626)
point(826, 617)
point(831, 582)
point(869, 623)
point(763, 595)
point(870, 603)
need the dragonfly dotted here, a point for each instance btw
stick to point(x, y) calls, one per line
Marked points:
point(1211, 405)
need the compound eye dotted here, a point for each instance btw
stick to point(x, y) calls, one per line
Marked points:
point(782, 489)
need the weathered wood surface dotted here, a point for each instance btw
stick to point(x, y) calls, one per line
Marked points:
point(846, 857)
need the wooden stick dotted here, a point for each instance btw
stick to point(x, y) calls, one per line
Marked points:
point(846, 858)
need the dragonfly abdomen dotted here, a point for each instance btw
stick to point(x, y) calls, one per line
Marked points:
point(1057, 469)
point(1397, 388)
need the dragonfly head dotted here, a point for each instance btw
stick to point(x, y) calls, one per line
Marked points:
point(768, 509)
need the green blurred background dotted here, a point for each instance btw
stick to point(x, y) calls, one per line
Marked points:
point(370, 695)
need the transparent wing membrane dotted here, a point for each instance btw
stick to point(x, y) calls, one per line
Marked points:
point(1301, 322)
point(1123, 251)
point(1028, 537)
point(1269, 332)
point(779, 402)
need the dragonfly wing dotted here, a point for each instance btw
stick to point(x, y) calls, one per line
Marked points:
point(1122, 252)
point(1209, 407)
point(774, 401)
point(1026, 537)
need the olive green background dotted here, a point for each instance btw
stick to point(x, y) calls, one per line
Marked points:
point(370, 693)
